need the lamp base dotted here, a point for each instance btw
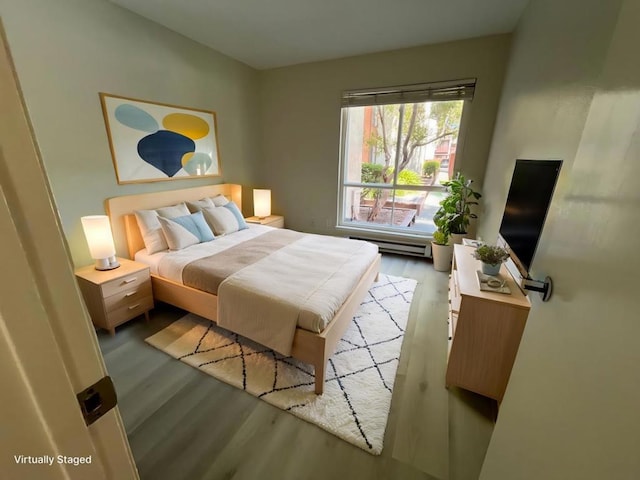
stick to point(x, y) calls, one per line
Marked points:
point(107, 263)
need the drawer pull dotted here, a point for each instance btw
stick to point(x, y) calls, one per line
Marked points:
point(133, 307)
point(130, 294)
point(130, 280)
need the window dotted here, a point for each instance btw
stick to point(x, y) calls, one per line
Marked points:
point(398, 145)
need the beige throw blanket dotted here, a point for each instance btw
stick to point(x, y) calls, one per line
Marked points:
point(264, 300)
point(308, 277)
point(208, 273)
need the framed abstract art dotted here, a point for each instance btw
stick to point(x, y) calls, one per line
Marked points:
point(155, 142)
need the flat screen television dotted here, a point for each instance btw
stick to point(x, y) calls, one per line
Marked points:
point(530, 193)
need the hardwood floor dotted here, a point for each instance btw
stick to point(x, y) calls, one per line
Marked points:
point(184, 424)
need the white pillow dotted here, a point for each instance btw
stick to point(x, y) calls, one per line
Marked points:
point(151, 231)
point(178, 210)
point(219, 200)
point(200, 204)
point(150, 228)
point(225, 219)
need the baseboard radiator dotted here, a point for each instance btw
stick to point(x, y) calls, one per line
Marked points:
point(400, 247)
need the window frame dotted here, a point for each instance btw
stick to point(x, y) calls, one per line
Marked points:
point(364, 227)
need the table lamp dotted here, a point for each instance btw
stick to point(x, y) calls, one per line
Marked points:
point(261, 203)
point(97, 231)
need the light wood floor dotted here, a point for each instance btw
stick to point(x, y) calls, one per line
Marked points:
point(184, 424)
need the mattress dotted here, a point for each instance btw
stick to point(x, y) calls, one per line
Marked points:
point(150, 259)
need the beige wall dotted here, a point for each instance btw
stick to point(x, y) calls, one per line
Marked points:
point(573, 92)
point(66, 51)
point(69, 50)
point(301, 118)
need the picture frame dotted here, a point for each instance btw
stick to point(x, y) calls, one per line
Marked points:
point(157, 142)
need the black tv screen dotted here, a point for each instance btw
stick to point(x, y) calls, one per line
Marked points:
point(528, 201)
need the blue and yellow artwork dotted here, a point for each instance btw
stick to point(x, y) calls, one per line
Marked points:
point(153, 142)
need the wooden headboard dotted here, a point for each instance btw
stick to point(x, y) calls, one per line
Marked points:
point(126, 234)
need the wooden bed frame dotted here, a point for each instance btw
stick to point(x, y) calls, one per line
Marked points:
point(309, 347)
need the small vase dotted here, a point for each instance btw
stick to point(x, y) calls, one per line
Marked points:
point(489, 269)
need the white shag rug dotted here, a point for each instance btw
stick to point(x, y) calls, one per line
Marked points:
point(359, 375)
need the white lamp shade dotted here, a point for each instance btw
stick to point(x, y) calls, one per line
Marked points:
point(261, 202)
point(97, 231)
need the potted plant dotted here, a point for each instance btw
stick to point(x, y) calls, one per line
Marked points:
point(441, 251)
point(491, 257)
point(455, 212)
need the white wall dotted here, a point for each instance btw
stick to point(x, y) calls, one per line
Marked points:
point(573, 92)
point(66, 51)
point(301, 117)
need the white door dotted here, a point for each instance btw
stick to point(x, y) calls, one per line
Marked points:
point(48, 348)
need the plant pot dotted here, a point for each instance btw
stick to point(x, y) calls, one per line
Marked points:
point(456, 238)
point(442, 257)
point(489, 269)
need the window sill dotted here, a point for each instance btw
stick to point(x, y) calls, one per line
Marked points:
point(418, 238)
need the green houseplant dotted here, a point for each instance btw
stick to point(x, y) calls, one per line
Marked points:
point(440, 238)
point(441, 251)
point(455, 212)
point(491, 256)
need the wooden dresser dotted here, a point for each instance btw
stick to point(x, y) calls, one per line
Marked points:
point(115, 296)
point(484, 328)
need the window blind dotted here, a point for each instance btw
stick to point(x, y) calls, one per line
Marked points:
point(423, 92)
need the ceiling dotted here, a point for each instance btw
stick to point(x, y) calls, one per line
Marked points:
point(274, 33)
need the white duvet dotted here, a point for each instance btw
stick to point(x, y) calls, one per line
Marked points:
point(302, 284)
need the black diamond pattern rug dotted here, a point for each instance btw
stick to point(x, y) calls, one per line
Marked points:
point(359, 375)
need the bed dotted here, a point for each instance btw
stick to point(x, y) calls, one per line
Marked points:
point(307, 345)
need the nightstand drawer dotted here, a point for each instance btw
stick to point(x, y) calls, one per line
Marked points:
point(125, 283)
point(128, 297)
point(128, 312)
point(114, 296)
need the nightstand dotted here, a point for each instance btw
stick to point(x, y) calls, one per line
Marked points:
point(275, 221)
point(114, 297)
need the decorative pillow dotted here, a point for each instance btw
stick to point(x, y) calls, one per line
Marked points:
point(225, 219)
point(219, 200)
point(178, 210)
point(151, 231)
point(182, 232)
point(150, 227)
point(198, 205)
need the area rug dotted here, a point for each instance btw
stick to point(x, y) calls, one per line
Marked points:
point(359, 375)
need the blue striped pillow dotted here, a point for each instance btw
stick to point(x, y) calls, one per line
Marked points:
point(237, 213)
point(196, 224)
point(184, 231)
